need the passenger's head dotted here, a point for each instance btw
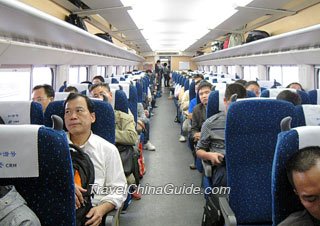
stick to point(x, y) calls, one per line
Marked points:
point(97, 79)
point(149, 72)
point(253, 86)
point(71, 89)
point(303, 170)
point(158, 61)
point(100, 91)
point(43, 94)
point(289, 96)
point(234, 89)
point(295, 85)
point(241, 82)
point(204, 90)
point(165, 64)
point(78, 114)
point(198, 77)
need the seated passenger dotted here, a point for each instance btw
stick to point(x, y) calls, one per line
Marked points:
point(125, 126)
point(254, 87)
point(14, 209)
point(295, 85)
point(97, 79)
point(43, 94)
point(289, 96)
point(143, 122)
point(211, 145)
point(79, 115)
point(71, 89)
point(199, 116)
point(303, 171)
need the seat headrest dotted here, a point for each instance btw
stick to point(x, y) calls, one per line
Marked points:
point(61, 95)
point(19, 159)
point(311, 114)
point(15, 112)
point(80, 87)
point(308, 136)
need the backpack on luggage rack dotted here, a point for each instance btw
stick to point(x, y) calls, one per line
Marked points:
point(256, 35)
point(83, 176)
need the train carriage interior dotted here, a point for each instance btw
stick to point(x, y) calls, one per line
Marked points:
point(158, 112)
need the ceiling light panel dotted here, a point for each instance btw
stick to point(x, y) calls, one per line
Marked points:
point(182, 20)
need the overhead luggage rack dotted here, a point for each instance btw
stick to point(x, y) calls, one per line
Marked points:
point(30, 28)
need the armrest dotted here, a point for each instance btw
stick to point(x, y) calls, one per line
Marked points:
point(207, 168)
point(112, 218)
point(228, 214)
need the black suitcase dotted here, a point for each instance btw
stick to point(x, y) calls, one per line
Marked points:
point(256, 35)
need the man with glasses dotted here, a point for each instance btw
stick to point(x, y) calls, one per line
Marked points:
point(78, 116)
point(43, 94)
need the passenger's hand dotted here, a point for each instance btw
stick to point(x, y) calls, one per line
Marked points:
point(79, 198)
point(197, 136)
point(216, 158)
point(146, 112)
point(96, 213)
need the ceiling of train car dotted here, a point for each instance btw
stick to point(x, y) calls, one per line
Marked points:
point(185, 25)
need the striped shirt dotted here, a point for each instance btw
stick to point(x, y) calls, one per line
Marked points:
point(212, 134)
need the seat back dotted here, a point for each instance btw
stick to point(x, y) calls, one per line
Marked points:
point(121, 101)
point(284, 200)
point(252, 127)
point(215, 103)
point(192, 90)
point(307, 115)
point(133, 101)
point(314, 96)
point(50, 191)
point(139, 91)
point(104, 126)
point(272, 93)
point(21, 112)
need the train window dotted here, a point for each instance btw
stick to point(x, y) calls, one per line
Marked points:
point(114, 70)
point(15, 84)
point(284, 74)
point(250, 73)
point(41, 75)
point(232, 70)
point(290, 74)
point(83, 74)
point(101, 70)
point(77, 74)
point(219, 69)
point(275, 73)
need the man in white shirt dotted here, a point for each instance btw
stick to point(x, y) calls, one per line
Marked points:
point(109, 174)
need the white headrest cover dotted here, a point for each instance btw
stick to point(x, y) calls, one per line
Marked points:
point(80, 87)
point(266, 83)
point(126, 88)
point(19, 159)
point(220, 86)
point(308, 136)
point(318, 96)
point(15, 112)
point(61, 95)
point(275, 92)
point(311, 114)
point(221, 99)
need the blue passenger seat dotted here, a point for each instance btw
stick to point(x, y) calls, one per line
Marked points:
point(50, 192)
point(104, 126)
point(314, 96)
point(21, 112)
point(274, 92)
point(252, 127)
point(133, 101)
point(284, 200)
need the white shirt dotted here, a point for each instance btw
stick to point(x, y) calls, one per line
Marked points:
point(108, 171)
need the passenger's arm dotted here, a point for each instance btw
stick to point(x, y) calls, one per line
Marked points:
point(115, 182)
point(215, 157)
point(125, 129)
